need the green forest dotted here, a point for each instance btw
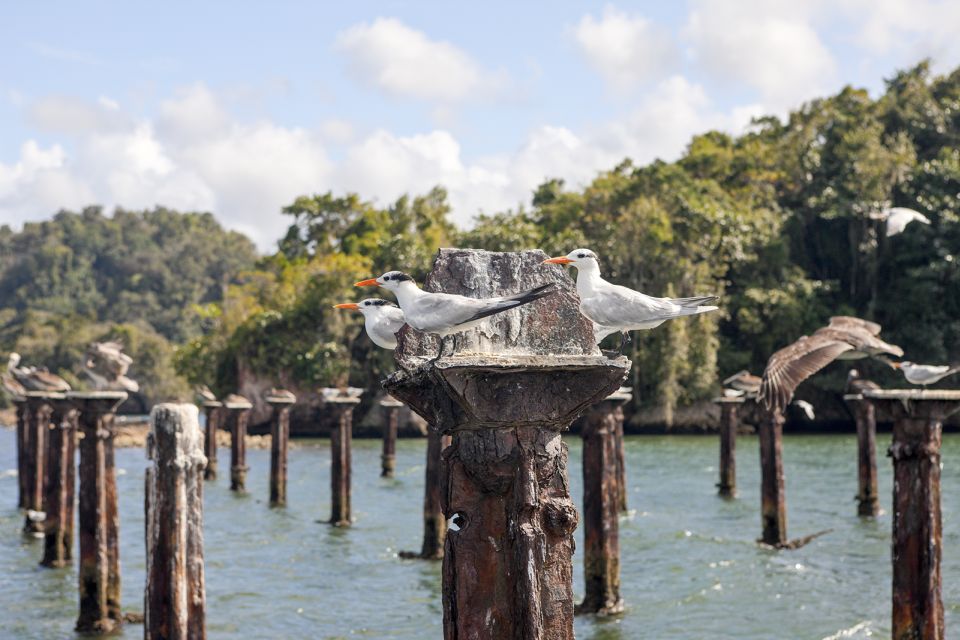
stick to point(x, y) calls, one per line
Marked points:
point(777, 221)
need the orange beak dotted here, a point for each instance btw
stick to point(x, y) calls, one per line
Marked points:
point(369, 282)
point(563, 260)
point(895, 365)
point(347, 305)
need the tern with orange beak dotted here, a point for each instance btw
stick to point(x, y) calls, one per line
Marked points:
point(443, 314)
point(614, 308)
point(924, 374)
point(381, 319)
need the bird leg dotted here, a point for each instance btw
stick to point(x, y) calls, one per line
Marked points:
point(624, 340)
point(439, 355)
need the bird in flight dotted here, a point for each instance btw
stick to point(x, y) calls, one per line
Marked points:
point(614, 308)
point(34, 379)
point(897, 219)
point(444, 314)
point(924, 374)
point(381, 319)
point(844, 338)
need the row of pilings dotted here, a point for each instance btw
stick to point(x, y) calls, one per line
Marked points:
point(917, 540)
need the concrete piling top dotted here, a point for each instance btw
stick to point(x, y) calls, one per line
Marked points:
point(44, 395)
point(279, 396)
point(389, 402)
point(623, 394)
point(212, 404)
point(236, 401)
point(933, 403)
point(913, 394)
point(176, 426)
point(334, 395)
point(107, 400)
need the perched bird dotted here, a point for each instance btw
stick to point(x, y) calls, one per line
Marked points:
point(34, 379)
point(106, 365)
point(203, 394)
point(614, 308)
point(924, 374)
point(806, 407)
point(443, 314)
point(857, 385)
point(897, 219)
point(744, 381)
point(13, 388)
point(845, 338)
point(733, 393)
point(381, 319)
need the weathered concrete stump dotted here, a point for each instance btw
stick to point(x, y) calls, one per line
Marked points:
point(23, 490)
point(391, 421)
point(773, 500)
point(505, 394)
point(341, 440)
point(213, 410)
point(238, 413)
point(39, 411)
point(280, 402)
point(865, 416)
point(917, 528)
point(61, 479)
point(175, 597)
point(601, 504)
point(729, 422)
point(99, 570)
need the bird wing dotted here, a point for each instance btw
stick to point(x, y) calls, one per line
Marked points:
point(617, 306)
point(843, 322)
point(393, 319)
point(793, 364)
point(861, 339)
point(442, 311)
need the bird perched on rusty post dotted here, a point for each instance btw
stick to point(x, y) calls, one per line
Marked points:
point(924, 374)
point(857, 385)
point(744, 381)
point(844, 338)
point(106, 365)
point(35, 379)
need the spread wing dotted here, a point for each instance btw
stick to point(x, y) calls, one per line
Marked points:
point(847, 322)
point(793, 364)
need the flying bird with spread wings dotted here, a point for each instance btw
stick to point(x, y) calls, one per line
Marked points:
point(844, 338)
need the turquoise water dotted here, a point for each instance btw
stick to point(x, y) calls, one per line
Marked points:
point(691, 569)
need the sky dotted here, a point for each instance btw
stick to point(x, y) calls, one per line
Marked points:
point(239, 107)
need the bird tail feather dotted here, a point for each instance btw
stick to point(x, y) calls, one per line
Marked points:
point(516, 300)
point(694, 302)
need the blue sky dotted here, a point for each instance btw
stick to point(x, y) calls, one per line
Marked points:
point(239, 107)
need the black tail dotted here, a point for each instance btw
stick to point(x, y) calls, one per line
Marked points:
point(516, 300)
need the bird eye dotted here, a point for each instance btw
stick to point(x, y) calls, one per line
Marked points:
point(386, 278)
point(581, 255)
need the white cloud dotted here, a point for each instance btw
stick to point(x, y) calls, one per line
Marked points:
point(770, 46)
point(627, 50)
point(404, 62)
point(71, 115)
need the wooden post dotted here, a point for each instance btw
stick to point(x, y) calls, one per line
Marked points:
point(279, 437)
point(238, 412)
point(175, 597)
point(99, 570)
point(213, 410)
point(917, 526)
point(727, 487)
point(341, 439)
point(61, 479)
point(773, 504)
point(39, 410)
point(22, 419)
point(391, 419)
point(865, 415)
point(601, 504)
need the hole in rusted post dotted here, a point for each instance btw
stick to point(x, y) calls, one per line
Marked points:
point(99, 568)
point(729, 422)
point(391, 422)
point(61, 474)
point(865, 416)
point(175, 597)
point(280, 402)
point(238, 413)
point(213, 411)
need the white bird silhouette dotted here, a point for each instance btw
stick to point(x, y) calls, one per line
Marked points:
point(897, 218)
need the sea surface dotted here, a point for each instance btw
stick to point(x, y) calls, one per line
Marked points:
point(690, 566)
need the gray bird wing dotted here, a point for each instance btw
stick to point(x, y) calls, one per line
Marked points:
point(617, 306)
point(793, 364)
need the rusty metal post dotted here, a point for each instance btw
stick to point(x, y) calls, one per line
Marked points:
point(238, 412)
point(773, 503)
point(434, 524)
point(61, 479)
point(23, 489)
point(391, 420)
point(621, 456)
point(39, 410)
point(99, 570)
point(729, 422)
point(865, 415)
point(601, 503)
point(341, 439)
point(213, 410)
point(175, 597)
point(279, 437)
point(917, 527)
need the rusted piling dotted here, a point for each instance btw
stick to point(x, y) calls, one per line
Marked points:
point(341, 440)
point(60, 488)
point(99, 570)
point(865, 416)
point(621, 455)
point(280, 402)
point(434, 524)
point(729, 422)
point(213, 411)
point(601, 503)
point(917, 528)
point(39, 411)
point(238, 412)
point(175, 597)
point(23, 488)
point(507, 565)
point(773, 501)
point(391, 420)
